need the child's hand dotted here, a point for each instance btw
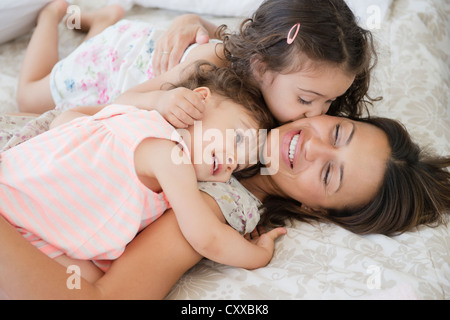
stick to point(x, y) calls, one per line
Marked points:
point(265, 240)
point(181, 107)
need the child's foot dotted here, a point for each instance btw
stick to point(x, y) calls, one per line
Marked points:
point(55, 10)
point(101, 18)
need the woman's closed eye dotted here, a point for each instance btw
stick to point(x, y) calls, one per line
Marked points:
point(334, 141)
point(326, 176)
point(336, 135)
point(340, 137)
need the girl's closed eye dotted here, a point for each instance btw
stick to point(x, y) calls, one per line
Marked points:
point(303, 101)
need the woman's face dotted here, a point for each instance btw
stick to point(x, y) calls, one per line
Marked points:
point(327, 162)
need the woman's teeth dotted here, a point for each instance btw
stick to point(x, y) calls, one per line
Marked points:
point(292, 147)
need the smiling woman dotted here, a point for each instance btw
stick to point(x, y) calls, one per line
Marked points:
point(366, 176)
point(331, 153)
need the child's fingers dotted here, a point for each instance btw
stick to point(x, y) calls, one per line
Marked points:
point(197, 101)
point(254, 234)
point(182, 116)
point(174, 121)
point(261, 230)
point(190, 109)
point(178, 118)
point(186, 113)
point(275, 233)
point(190, 101)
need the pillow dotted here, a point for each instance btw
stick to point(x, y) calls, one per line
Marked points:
point(370, 12)
point(230, 8)
point(18, 17)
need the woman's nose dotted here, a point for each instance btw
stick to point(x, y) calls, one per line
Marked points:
point(316, 148)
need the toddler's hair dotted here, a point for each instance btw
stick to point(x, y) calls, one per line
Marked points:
point(227, 83)
point(328, 33)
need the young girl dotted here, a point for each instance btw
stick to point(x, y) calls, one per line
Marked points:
point(309, 55)
point(94, 182)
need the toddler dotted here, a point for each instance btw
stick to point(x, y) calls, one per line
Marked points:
point(86, 187)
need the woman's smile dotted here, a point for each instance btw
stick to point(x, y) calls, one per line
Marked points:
point(293, 145)
point(326, 161)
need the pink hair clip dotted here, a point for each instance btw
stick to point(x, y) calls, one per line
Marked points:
point(290, 37)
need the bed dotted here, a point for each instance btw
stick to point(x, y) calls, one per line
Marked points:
point(318, 260)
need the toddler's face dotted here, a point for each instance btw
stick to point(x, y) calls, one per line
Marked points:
point(306, 93)
point(224, 141)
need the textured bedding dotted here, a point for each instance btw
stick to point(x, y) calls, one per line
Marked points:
point(323, 261)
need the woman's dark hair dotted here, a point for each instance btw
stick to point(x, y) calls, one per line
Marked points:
point(415, 190)
point(329, 33)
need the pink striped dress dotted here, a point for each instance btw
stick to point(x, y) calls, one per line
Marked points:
point(74, 189)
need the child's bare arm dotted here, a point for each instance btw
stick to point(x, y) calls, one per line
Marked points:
point(201, 228)
point(180, 106)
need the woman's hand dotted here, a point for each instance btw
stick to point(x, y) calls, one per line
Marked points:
point(185, 30)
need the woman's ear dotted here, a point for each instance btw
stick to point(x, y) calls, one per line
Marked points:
point(204, 91)
point(316, 212)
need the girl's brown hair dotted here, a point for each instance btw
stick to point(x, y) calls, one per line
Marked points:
point(227, 83)
point(415, 191)
point(329, 33)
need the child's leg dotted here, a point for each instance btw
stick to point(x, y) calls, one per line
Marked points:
point(33, 93)
point(96, 21)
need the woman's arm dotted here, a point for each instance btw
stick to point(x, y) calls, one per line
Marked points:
point(155, 260)
point(151, 264)
point(180, 106)
point(26, 273)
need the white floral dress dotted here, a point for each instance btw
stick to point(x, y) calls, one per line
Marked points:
point(105, 66)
